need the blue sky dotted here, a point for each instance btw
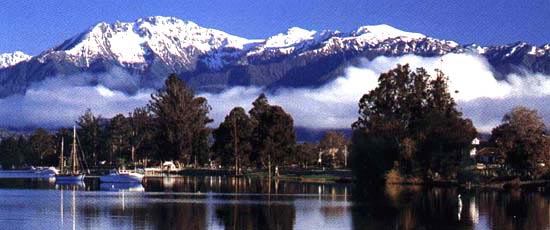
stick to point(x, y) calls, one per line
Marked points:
point(34, 26)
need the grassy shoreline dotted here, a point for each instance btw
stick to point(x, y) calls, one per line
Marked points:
point(503, 184)
point(328, 176)
point(292, 175)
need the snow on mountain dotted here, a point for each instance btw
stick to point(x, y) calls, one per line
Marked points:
point(173, 40)
point(292, 37)
point(379, 33)
point(510, 51)
point(10, 59)
point(182, 45)
point(151, 48)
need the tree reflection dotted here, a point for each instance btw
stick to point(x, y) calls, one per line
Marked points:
point(410, 207)
point(239, 216)
point(516, 210)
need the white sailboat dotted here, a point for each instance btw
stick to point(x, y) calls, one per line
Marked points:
point(73, 174)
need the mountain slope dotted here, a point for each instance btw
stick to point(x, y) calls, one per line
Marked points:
point(151, 48)
point(10, 59)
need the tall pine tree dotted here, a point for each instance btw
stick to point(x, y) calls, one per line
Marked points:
point(273, 138)
point(233, 139)
point(181, 120)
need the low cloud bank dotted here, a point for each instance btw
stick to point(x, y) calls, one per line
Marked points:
point(59, 101)
point(480, 96)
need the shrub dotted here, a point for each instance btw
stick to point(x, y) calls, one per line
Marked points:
point(394, 177)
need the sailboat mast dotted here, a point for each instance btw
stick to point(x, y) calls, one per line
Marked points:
point(73, 151)
point(236, 147)
point(62, 163)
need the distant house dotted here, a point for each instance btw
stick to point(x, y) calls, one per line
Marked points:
point(334, 156)
point(475, 143)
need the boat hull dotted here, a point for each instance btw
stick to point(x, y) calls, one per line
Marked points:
point(69, 178)
point(122, 178)
point(29, 173)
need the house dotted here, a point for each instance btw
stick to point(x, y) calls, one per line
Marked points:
point(475, 143)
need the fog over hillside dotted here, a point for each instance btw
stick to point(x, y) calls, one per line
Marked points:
point(59, 101)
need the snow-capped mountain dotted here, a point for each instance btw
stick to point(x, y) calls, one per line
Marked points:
point(9, 59)
point(130, 44)
point(182, 44)
point(208, 59)
point(517, 57)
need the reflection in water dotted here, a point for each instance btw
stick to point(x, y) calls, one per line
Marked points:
point(168, 182)
point(249, 216)
point(122, 187)
point(459, 207)
point(410, 207)
point(219, 184)
point(474, 213)
point(244, 203)
point(73, 216)
point(73, 207)
point(61, 205)
point(80, 185)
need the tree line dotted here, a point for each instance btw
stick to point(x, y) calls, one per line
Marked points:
point(410, 131)
point(174, 126)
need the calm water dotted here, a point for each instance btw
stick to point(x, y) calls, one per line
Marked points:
point(230, 203)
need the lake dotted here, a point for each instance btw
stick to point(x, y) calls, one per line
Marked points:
point(242, 203)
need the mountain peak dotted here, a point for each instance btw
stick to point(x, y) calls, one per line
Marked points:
point(160, 20)
point(130, 43)
point(299, 31)
point(293, 36)
point(384, 31)
point(152, 47)
point(9, 59)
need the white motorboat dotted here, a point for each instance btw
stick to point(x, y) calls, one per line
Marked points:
point(40, 172)
point(121, 177)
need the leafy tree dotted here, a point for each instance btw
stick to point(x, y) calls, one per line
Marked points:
point(410, 122)
point(233, 139)
point(181, 120)
point(120, 131)
point(142, 133)
point(443, 144)
point(11, 154)
point(334, 148)
point(521, 140)
point(43, 148)
point(306, 154)
point(273, 138)
point(91, 137)
point(25, 151)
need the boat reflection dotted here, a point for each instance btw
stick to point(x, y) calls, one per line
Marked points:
point(168, 182)
point(73, 207)
point(125, 187)
point(243, 203)
point(70, 185)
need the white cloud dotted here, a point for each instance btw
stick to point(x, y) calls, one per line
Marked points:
point(59, 101)
point(480, 95)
